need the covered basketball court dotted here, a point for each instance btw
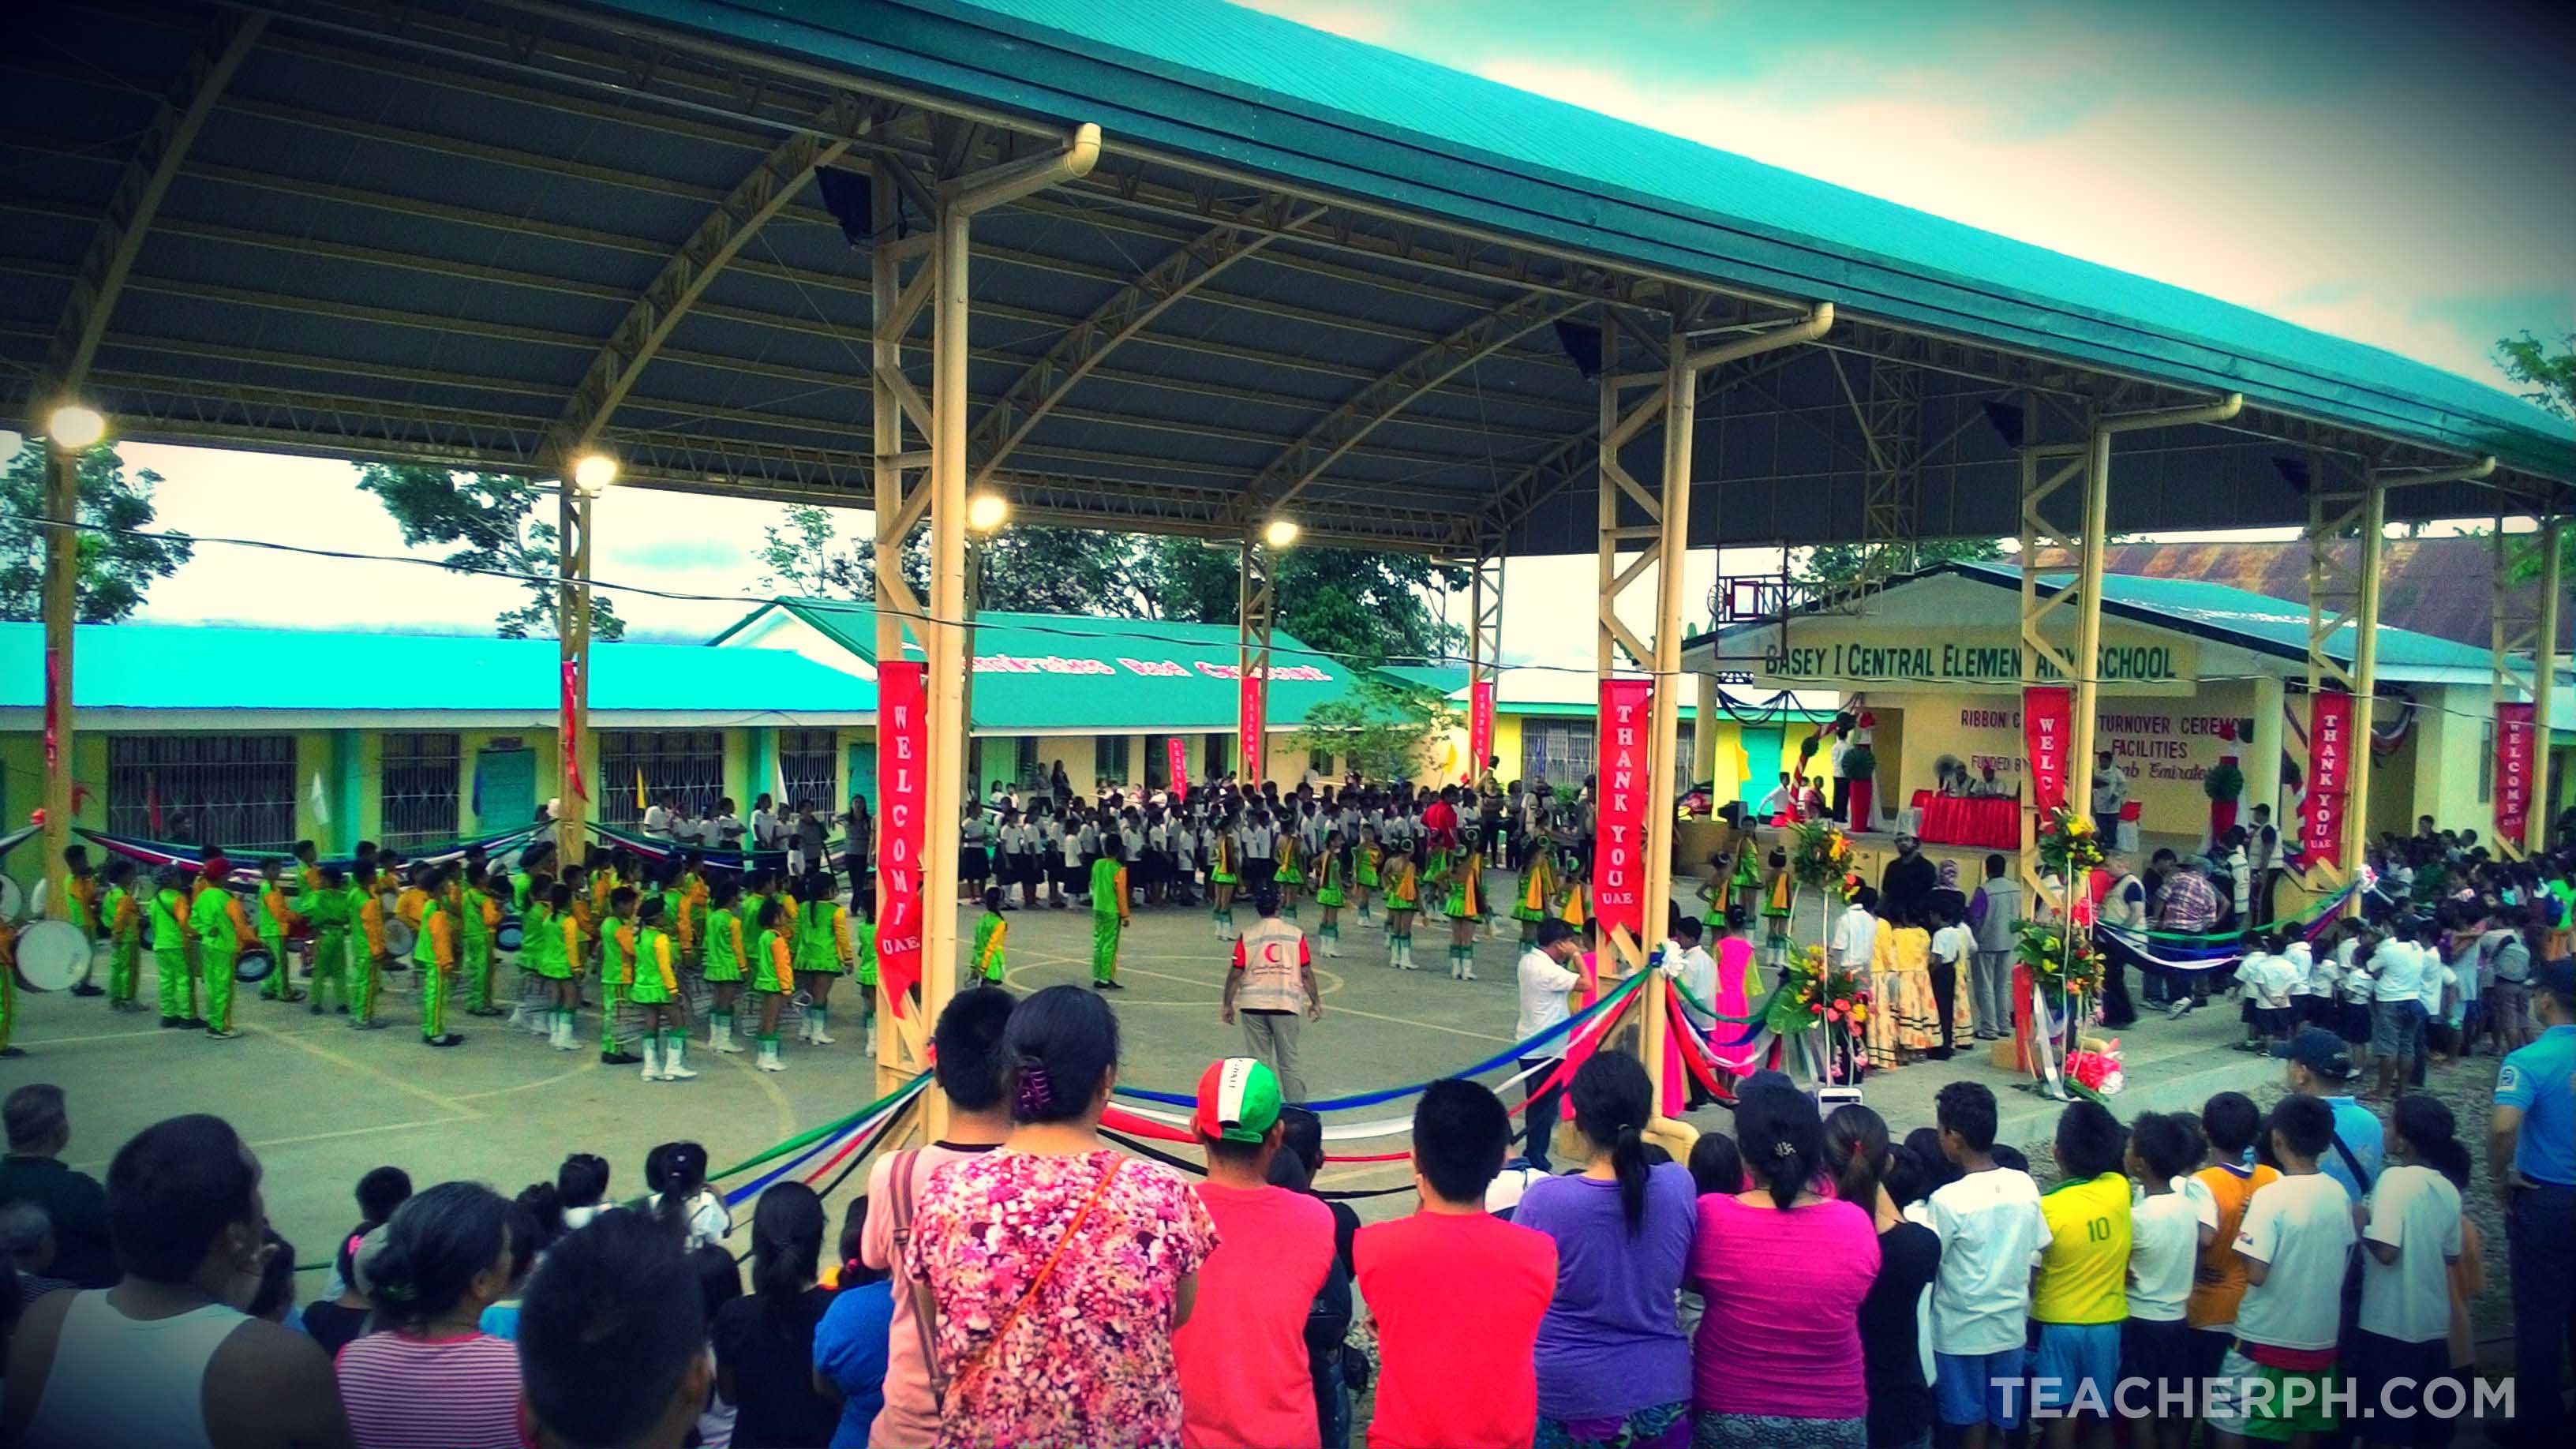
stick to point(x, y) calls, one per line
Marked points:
point(1171, 267)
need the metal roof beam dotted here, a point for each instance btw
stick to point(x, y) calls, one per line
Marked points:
point(1341, 431)
point(693, 267)
point(101, 276)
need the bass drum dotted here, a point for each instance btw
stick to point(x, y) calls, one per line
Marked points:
point(508, 935)
point(399, 937)
point(253, 964)
point(13, 902)
point(52, 956)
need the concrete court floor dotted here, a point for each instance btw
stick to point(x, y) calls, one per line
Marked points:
point(322, 1104)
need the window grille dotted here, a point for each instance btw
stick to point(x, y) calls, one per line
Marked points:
point(420, 778)
point(232, 790)
point(810, 761)
point(1109, 760)
point(686, 763)
point(1025, 769)
point(1559, 754)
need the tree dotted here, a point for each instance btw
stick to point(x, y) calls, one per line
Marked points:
point(1832, 565)
point(2549, 380)
point(117, 562)
point(1385, 730)
point(490, 520)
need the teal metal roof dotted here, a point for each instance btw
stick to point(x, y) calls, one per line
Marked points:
point(1068, 672)
point(160, 666)
point(1217, 84)
point(1446, 678)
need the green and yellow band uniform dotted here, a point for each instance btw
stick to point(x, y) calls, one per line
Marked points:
point(273, 917)
point(328, 911)
point(773, 966)
point(177, 986)
point(125, 943)
point(434, 955)
point(367, 951)
point(724, 951)
point(990, 958)
point(1108, 916)
point(82, 891)
point(616, 969)
point(1538, 890)
point(222, 930)
point(1328, 879)
point(652, 974)
point(1289, 873)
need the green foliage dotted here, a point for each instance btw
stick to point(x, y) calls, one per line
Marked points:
point(1363, 607)
point(490, 525)
point(2549, 380)
point(1384, 729)
point(115, 568)
point(1835, 564)
point(1860, 764)
point(2223, 783)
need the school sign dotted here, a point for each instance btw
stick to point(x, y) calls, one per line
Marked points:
point(1873, 656)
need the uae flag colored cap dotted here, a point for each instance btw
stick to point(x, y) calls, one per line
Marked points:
point(1238, 1100)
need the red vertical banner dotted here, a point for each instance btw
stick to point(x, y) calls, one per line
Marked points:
point(1176, 769)
point(2514, 745)
point(55, 707)
point(1619, 841)
point(568, 745)
point(2330, 766)
point(1480, 729)
point(903, 792)
point(2047, 731)
point(1252, 730)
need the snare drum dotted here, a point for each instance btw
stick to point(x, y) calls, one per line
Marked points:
point(253, 964)
point(12, 903)
point(52, 956)
point(399, 937)
point(508, 935)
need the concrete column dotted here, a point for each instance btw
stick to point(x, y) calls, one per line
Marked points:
point(61, 604)
point(1704, 728)
point(2262, 760)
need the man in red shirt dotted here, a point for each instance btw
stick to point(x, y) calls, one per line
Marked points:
point(1440, 817)
point(1457, 1294)
point(1246, 1382)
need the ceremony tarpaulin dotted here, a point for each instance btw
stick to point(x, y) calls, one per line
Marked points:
point(245, 863)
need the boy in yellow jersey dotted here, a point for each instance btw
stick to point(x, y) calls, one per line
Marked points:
point(721, 962)
point(2080, 1295)
point(990, 959)
point(273, 916)
point(653, 984)
point(222, 929)
point(368, 951)
point(122, 911)
point(1108, 911)
point(435, 954)
point(773, 976)
point(326, 905)
point(617, 942)
point(478, 915)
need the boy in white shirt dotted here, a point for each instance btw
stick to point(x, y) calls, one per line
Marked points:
point(1991, 1230)
point(2397, 1014)
point(2172, 1221)
point(1855, 937)
point(2412, 1239)
point(1952, 946)
point(2295, 1240)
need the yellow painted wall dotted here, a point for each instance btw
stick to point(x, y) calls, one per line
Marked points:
point(2164, 745)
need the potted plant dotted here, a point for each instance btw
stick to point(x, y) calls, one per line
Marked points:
point(2224, 785)
point(1860, 775)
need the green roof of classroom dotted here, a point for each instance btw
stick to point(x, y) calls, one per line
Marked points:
point(1226, 85)
point(201, 667)
point(1037, 672)
point(2211, 611)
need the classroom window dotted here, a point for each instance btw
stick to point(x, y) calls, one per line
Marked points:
point(418, 789)
point(232, 790)
point(810, 761)
point(1321, 762)
point(1682, 755)
point(1025, 769)
point(1560, 754)
point(1109, 759)
point(686, 763)
point(1212, 757)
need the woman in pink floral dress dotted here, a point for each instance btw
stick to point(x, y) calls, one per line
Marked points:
point(1054, 1270)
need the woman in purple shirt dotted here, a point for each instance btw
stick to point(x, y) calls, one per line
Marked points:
point(1777, 1362)
point(1613, 1367)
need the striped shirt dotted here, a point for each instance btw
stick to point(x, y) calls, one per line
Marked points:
point(431, 1393)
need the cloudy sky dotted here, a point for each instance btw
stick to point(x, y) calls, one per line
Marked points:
point(2395, 174)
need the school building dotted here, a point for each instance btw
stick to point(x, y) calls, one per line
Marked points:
point(2192, 672)
point(1545, 728)
point(257, 738)
point(1101, 697)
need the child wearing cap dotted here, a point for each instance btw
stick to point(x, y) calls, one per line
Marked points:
point(1245, 1374)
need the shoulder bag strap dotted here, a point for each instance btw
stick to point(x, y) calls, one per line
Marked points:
point(970, 1374)
point(2352, 1164)
point(925, 1306)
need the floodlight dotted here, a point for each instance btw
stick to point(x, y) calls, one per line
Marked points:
point(987, 511)
point(592, 473)
point(1281, 532)
point(75, 426)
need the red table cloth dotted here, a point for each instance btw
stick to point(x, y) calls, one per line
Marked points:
point(1983, 822)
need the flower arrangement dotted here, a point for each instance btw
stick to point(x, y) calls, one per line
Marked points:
point(2062, 962)
point(1819, 854)
point(1813, 994)
point(2068, 844)
point(2094, 1067)
point(2224, 782)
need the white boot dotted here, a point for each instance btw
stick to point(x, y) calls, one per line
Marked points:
point(1333, 945)
point(674, 1058)
point(1404, 953)
point(820, 1017)
point(721, 1038)
point(769, 1061)
point(560, 1038)
point(870, 1036)
point(651, 1051)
